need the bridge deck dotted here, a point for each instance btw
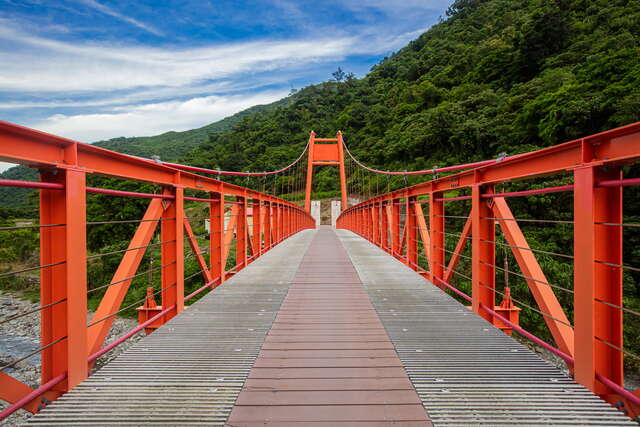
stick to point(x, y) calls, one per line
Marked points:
point(313, 334)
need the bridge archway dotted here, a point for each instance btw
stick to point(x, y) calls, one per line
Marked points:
point(326, 152)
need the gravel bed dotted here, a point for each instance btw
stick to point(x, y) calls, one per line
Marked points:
point(20, 336)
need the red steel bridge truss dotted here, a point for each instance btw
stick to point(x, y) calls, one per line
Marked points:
point(454, 226)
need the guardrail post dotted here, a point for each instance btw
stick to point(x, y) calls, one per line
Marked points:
point(374, 222)
point(436, 228)
point(172, 253)
point(241, 233)
point(216, 237)
point(285, 222)
point(257, 228)
point(395, 227)
point(280, 226)
point(65, 246)
point(268, 216)
point(412, 233)
point(275, 215)
point(367, 222)
point(384, 226)
point(483, 254)
point(288, 221)
point(597, 284)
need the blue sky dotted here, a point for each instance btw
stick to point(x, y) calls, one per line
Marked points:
point(98, 69)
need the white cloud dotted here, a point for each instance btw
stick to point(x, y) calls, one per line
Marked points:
point(109, 82)
point(151, 119)
point(43, 65)
point(4, 166)
point(129, 20)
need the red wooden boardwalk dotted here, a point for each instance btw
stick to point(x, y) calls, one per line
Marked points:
point(327, 358)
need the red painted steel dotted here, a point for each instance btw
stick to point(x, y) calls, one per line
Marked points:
point(29, 184)
point(321, 153)
point(391, 221)
point(595, 339)
point(66, 339)
point(49, 385)
point(129, 334)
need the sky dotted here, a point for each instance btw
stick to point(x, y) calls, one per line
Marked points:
point(97, 69)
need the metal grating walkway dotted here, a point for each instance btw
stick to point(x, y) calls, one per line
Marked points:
point(322, 334)
point(190, 371)
point(467, 372)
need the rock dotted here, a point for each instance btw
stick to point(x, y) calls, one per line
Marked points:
point(27, 328)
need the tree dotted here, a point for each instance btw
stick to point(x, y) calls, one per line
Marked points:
point(339, 75)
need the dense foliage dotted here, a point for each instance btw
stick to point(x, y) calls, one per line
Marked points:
point(496, 76)
point(169, 146)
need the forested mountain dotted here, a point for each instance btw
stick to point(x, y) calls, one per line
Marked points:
point(494, 76)
point(169, 146)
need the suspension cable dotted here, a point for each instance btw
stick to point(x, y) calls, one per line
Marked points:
point(428, 171)
point(221, 172)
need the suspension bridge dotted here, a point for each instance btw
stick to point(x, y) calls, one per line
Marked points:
point(413, 311)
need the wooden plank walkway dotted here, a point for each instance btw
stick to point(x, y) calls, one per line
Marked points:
point(327, 360)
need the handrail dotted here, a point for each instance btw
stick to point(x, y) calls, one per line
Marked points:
point(395, 222)
point(247, 226)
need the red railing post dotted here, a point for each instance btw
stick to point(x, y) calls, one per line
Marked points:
point(280, 223)
point(381, 229)
point(436, 228)
point(365, 222)
point(412, 232)
point(369, 222)
point(257, 228)
point(285, 222)
point(483, 254)
point(66, 247)
point(172, 252)
point(372, 222)
point(384, 226)
point(276, 223)
point(375, 222)
point(241, 233)
point(597, 284)
point(395, 227)
point(267, 224)
point(216, 237)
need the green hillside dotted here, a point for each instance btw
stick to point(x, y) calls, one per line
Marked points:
point(495, 76)
point(170, 146)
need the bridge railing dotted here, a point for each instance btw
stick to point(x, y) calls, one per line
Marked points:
point(460, 230)
point(225, 226)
